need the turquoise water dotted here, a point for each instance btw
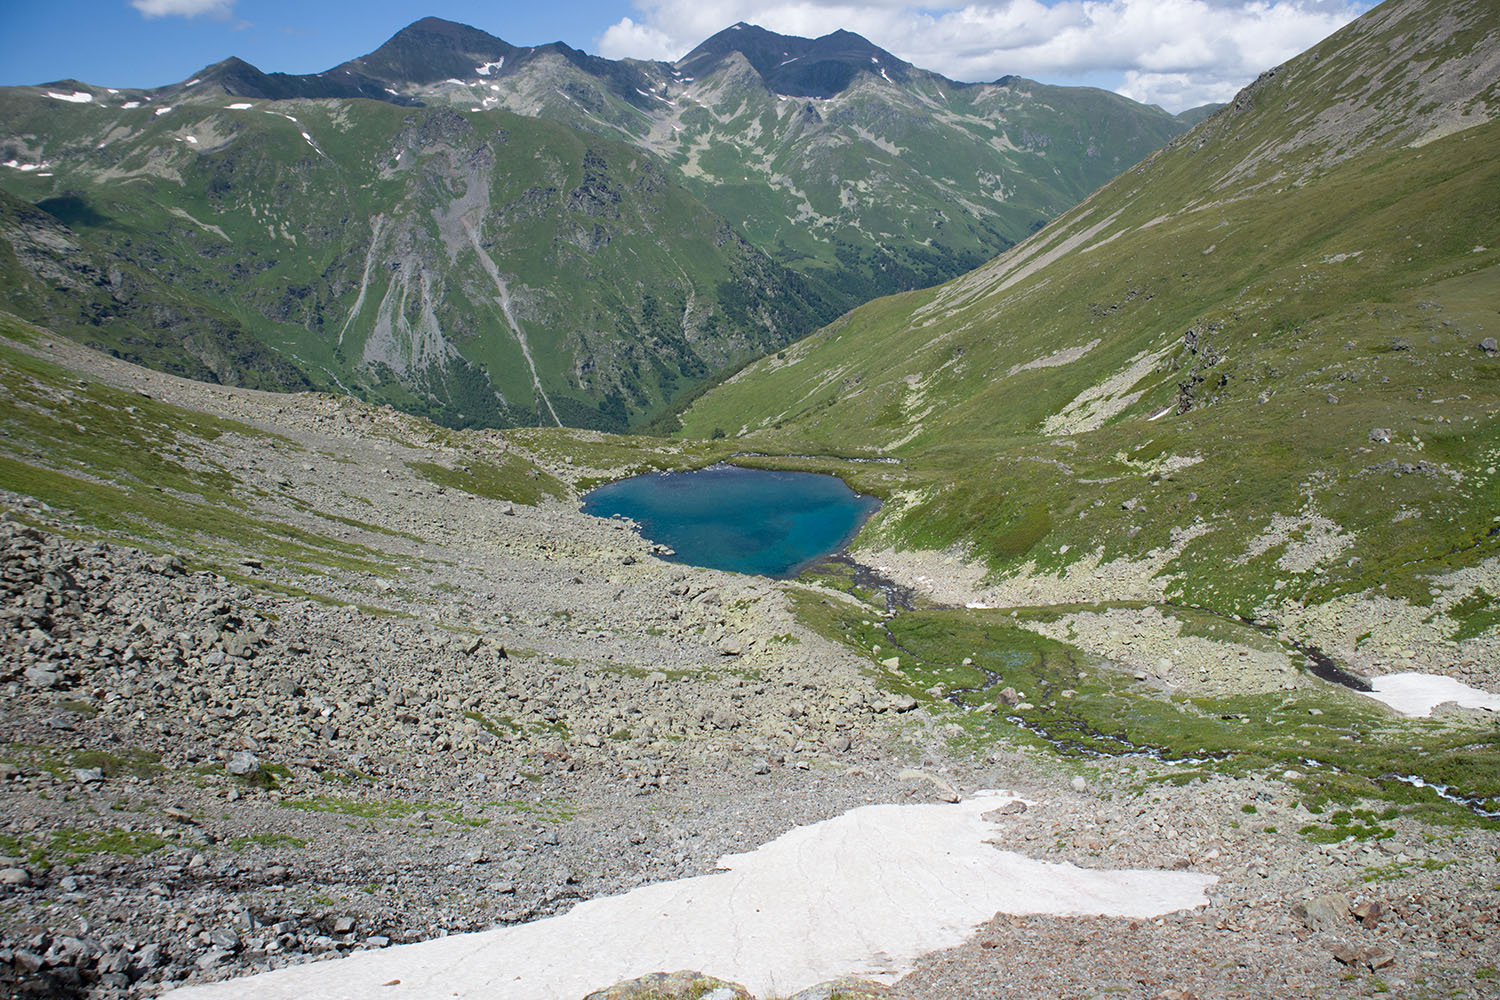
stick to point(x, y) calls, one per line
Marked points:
point(746, 520)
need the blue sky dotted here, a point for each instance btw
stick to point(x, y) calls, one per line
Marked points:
point(111, 43)
point(1177, 53)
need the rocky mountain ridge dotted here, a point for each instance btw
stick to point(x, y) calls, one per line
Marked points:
point(452, 267)
point(375, 227)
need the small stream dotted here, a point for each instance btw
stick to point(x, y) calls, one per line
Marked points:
point(1319, 663)
point(1473, 802)
point(897, 597)
point(1067, 736)
point(1073, 736)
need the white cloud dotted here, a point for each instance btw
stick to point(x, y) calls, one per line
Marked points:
point(219, 9)
point(1177, 53)
point(1176, 91)
point(639, 41)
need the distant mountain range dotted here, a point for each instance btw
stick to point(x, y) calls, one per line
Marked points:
point(496, 235)
point(907, 178)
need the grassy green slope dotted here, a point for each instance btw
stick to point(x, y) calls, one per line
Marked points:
point(52, 275)
point(122, 464)
point(417, 256)
point(889, 184)
point(1197, 361)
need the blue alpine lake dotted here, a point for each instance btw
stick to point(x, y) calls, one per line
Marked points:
point(745, 520)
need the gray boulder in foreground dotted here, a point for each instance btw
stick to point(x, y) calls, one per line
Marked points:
point(690, 985)
point(681, 985)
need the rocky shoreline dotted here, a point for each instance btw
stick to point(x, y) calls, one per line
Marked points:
point(218, 767)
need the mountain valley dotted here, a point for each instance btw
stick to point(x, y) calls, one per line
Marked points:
point(433, 250)
point(311, 654)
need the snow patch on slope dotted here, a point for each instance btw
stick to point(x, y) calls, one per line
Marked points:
point(1418, 694)
point(778, 919)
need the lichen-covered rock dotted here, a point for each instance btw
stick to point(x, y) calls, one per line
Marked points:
point(681, 985)
point(848, 988)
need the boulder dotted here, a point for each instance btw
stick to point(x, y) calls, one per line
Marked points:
point(242, 763)
point(150, 957)
point(167, 565)
point(942, 790)
point(680, 985)
point(1327, 912)
point(846, 988)
point(1014, 807)
point(239, 644)
point(1369, 911)
point(1452, 711)
point(41, 677)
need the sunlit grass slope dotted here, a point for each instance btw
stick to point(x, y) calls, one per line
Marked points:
point(1259, 355)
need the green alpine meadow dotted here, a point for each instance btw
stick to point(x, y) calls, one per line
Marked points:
point(1167, 666)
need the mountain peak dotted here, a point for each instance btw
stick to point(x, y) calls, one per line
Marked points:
point(430, 50)
point(436, 24)
point(430, 28)
point(795, 66)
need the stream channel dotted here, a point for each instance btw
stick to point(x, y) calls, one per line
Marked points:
point(779, 524)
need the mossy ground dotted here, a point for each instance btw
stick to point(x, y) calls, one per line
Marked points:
point(72, 845)
point(267, 840)
point(512, 478)
point(1348, 752)
point(60, 763)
